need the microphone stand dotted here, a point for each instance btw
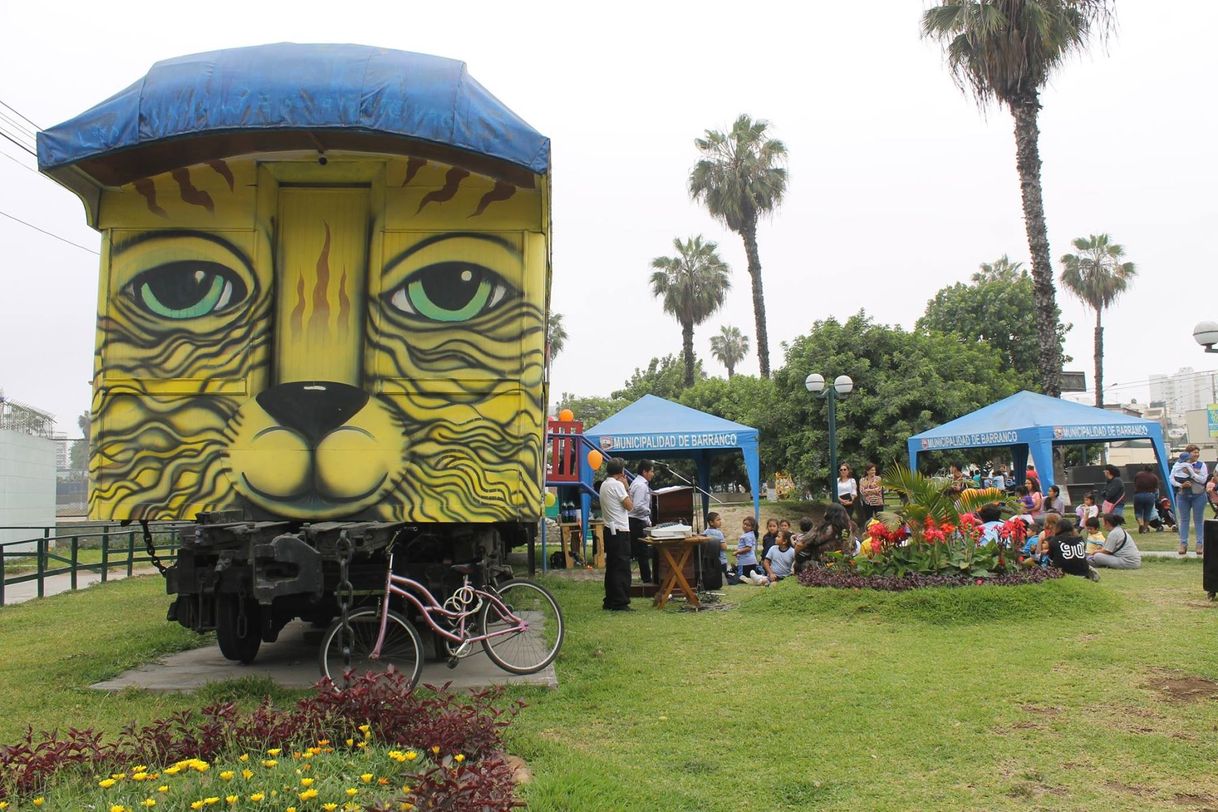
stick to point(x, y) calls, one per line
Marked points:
point(687, 482)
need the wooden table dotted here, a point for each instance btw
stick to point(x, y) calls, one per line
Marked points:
point(676, 553)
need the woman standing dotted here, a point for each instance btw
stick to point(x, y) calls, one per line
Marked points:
point(1114, 491)
point(871, 492)
point(1188, 477)
point(847, 489)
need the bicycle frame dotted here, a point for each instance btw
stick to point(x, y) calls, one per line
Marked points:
point(402, 586)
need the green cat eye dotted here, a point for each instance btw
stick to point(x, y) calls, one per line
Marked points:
point(449, 292)
point(187, 289)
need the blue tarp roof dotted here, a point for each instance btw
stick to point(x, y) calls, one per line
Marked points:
point(289, 86)
point(1025, 410)
point(655, 415)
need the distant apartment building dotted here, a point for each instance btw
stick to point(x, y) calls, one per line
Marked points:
point(1182, 392)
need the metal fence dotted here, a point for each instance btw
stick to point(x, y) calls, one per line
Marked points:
point(51, 552)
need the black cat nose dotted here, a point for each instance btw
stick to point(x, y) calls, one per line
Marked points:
point(313, 408)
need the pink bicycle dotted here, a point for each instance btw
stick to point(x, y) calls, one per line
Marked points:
point(517, 622)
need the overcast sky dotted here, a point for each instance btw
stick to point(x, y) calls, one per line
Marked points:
point(898, 184)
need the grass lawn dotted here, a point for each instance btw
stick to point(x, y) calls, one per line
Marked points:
point(1066, 695)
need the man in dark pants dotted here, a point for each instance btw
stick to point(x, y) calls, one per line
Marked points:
point(615, 509)
point(640, 519)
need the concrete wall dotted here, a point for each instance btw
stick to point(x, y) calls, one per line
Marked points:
point(27, 485)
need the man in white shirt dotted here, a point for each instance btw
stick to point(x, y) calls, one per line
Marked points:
point(640, 519)
point(615, 508)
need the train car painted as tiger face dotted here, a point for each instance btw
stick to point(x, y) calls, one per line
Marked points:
point(321, 321)
point(359, 340)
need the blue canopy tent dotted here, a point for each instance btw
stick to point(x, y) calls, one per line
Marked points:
point(1034, 423)
point(653, 427)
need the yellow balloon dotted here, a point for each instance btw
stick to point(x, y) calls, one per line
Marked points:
point(595, 458)
point(566, 415)
point(550, 498)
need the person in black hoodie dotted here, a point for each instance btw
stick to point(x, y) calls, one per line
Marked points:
point(1068, 552)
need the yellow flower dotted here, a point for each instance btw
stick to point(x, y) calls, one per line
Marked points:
point(148, 803)
point(3, 805)
point(307, 795)
point(243, 757)
point(352, 792)
point(361, 745)
point(139, 776)
point(174, 770)
point(411, 755)
point(227, 775)
point(117, 808)
point(212, 801)
point(435, 749)
point(106, 783)
point(163, 788)
point(364, 728)
point(232, 799)
point(350, 742)
point(290, 809)
point(274, 751)
point(139, 768)
point(269, 762)
point(199, 766)
point(330, 807)
point(322, 742)
point(306, 782)
point(367, 778)
point(306, 756)
point(247, 774)
point(196, 804)
point(118, 776)
point(39, 801)
point(458, 758)
point(405, 807)
point(257, 797)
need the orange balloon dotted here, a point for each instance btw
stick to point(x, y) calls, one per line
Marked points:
point(595, 458)
point(566, 415)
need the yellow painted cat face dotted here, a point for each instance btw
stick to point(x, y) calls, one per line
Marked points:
point(361, 340)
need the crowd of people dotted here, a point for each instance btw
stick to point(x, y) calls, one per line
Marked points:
point(1092, 536)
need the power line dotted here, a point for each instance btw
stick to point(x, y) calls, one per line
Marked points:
point(49, 234)
point(19, 162)
point(18, 143)
point(14, 124)
point(18, 112)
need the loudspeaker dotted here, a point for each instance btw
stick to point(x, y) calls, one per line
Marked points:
point(1209, 565)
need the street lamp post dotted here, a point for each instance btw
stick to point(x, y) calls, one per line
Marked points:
point(842, 385)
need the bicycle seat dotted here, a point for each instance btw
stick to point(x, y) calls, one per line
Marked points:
point(465, 569)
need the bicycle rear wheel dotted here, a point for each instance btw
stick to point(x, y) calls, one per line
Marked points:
point(402, 651)
point(531, 606)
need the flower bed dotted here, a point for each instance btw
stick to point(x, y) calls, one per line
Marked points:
point(846, 579)
point(374, 745)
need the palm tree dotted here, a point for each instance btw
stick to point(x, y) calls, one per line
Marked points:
point(556, 335)
point(1000, 270)
point(730, 347)
point(741, 177)
point(1005, 51)
point(1097, 277)
point(693, 285)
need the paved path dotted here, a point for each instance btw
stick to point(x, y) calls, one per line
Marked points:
point(28, 590)
point(291, 662)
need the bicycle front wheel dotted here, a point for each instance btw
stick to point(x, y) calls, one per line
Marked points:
point(526, 632)
point(402, 650)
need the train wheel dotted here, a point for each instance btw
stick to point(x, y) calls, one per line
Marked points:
point(238, 641)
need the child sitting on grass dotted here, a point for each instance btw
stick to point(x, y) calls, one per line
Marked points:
point(1036, 549)
point(780, 560)
point(1095, 536)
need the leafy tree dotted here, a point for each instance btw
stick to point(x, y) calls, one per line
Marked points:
point(729, 347)
point(590, 409)
point(1005, 51)
point(693, 285)
point(1097, 276)
point(741, 177)
point(904, 383)
point(994, 308)
point(742, 399)
point(556, 335)
point(663, 378)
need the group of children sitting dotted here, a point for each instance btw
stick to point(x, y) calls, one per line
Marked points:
point(776, 550)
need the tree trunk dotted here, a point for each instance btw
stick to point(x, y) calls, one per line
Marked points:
point(1099, 360)
point(1027, 161)
point(749, 233)
point(731, 369)
point(687, 349)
